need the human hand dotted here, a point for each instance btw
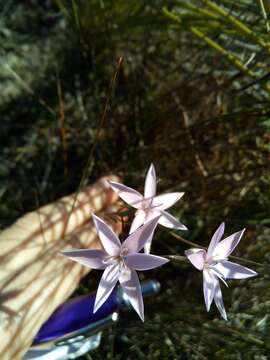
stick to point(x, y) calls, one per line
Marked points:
point(34, 280)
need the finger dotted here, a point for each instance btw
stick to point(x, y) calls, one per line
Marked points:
point(56, 220)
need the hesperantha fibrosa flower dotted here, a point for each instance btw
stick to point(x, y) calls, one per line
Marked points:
point(149, 205)
point(119, 262)
point(215, 266)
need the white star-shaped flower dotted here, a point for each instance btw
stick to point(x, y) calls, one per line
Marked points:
point(119, 262)
point(150, 205)
point(215, 266)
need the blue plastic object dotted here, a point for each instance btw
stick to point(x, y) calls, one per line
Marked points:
point(76, 315)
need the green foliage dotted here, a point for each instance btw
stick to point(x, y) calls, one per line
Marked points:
point(238, 31)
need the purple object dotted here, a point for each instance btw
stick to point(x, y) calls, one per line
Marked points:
point(76, 315)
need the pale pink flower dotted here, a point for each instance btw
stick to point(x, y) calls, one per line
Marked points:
point(215, 266)
point(119, 262)
point(150, 206)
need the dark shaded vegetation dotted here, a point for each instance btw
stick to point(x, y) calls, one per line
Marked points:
point(180, 102)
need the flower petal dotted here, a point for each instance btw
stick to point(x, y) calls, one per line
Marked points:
point(219, 301)
point(147, 245)
point(215, 239)
point(225, 247)
point(196, 257)
point(218, 274)
point(144, 261)
point(150, 183)
point(107, 283)
point(231, 270)
point(131, 286)
point(170, 221)
point(137, 221)
point(136, 241)
point(109, 239)
point(91, 258)
point(209, 282)
point(165, 201)
point(129, 195)
point(150, 215)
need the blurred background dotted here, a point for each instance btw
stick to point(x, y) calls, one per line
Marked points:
point(192, 95)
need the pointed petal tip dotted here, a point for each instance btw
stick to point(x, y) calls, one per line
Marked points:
point(97, 306)
point(95, 217)
point(208, 306)
point(151, 166)
point(65, 252)
point(224, 316)
point(225, 247)
point(131, 287)
point(130, 196)
point(111, 182)
point(147, 248)
point(251, 274)
point(141, 315)
point(169, 221)
point(113, 185)
point(142, 236)
point(95, 309)
point(222, 225)
point(182, 227)
point(140, 312)
point(107, 236)
point(150, 184)
point(254, 274)
point(166, 200)
point(231, 270)
point(106, 183)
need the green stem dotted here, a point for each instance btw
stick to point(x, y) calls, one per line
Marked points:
point(264, 13)
point(231, 57)
point(197, 10)
point(228, 55)
point(237, 24)
point(177, 258)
